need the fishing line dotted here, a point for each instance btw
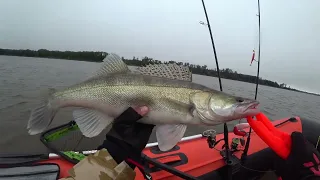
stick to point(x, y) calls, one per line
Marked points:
point(256, 170)
point(245, 152)
point(217, 149)
point(245, 167)
point(225, 127)
point(258, 72)
point(318, 142)
point(78, 142)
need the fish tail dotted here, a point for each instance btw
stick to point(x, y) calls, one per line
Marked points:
point(42, 115)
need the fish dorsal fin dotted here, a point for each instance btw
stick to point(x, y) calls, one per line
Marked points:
point(112, 64)
point(171, 71)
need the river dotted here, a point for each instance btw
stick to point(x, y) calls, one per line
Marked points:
point(23, 79)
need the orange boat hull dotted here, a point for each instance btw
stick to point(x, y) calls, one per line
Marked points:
point(193, 157)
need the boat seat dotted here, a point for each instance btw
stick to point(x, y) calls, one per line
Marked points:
point(30, 172)
point(310, 130)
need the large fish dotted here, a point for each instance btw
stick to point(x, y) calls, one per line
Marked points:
point(173, 99)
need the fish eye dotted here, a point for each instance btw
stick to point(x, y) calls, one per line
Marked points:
point(240, 100)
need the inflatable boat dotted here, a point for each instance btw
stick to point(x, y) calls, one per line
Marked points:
point(194, 157)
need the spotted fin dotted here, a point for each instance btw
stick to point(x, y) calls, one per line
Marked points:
point(171, 71)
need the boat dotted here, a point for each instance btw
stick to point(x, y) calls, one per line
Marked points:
point(194, 157)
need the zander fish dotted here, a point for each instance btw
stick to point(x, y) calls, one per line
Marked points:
point(173, 99)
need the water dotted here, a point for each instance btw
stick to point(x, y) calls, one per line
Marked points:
point(22, 79)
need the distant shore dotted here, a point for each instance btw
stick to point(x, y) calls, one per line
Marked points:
point(92, 56)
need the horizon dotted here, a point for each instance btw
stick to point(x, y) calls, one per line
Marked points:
point(170, 30)
point(162, 61)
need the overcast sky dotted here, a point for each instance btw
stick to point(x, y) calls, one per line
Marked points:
point(170, 30)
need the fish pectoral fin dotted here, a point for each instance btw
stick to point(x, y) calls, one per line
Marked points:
point(112, 64)
point(91, 122)
point(168, 135)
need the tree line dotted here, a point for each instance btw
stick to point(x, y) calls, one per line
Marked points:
point(44, 53)
point(226, 73)
point(92, 56)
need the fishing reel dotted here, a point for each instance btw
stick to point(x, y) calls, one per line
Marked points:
point(212, 141)
point(239, 130)
point(236, 142)
point(232, 160)
point(210, 134)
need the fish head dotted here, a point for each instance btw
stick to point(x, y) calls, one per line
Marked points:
point(215, 108)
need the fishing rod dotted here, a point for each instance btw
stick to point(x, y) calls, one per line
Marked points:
point(258, 71)
point(245, 151)
point(213, 46)
point(225, 126)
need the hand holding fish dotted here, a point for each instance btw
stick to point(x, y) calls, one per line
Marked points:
point(127, 138)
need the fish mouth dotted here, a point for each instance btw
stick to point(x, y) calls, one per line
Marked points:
point(252, 109)
point(252, 106)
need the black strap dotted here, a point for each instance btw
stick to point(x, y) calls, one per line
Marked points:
point(147, 176)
